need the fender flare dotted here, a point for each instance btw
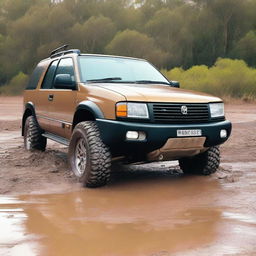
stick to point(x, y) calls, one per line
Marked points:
point(90, 107)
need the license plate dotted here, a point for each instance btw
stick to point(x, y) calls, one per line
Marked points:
point(189, 133)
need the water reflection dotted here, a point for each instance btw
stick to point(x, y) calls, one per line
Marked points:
point(14, 239)
point(141, 217)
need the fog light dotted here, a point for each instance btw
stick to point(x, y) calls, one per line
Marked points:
point(223, 134)
point(132, 135)
point(135, 135)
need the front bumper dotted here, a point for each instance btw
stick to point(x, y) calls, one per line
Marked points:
point(113, 134)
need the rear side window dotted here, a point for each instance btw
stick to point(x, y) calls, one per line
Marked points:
point(48, 79)
point(35, 77)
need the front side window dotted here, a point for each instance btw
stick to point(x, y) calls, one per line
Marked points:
point(48, 79)
point(66, 67)
point(117, 69)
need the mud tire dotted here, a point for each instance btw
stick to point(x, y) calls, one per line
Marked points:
point(95, 170)
point(33, 139)
point(202, 164)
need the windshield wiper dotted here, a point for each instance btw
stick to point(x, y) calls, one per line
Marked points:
point(107, 79)
point(150, 82)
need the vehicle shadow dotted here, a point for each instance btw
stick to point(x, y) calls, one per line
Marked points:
point(144, 172)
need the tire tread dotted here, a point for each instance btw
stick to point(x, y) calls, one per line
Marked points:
point(203, 164)
point(100, 157)
point(37, 140)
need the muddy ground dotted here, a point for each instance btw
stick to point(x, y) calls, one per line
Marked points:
point(148, 209)
point(25, 172)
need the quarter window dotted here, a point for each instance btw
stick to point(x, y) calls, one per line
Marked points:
point(35, 77)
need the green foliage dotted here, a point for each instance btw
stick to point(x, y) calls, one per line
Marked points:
point(230, 78)
point(15, 10)
point(93, 35)
point(16, 85)
point(133, 43)
point(246, 48)
point(169, 33)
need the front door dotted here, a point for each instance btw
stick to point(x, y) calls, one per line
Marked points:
point(62, 102)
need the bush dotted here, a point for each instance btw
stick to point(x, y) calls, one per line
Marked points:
point(228, 78)
point(16, 85)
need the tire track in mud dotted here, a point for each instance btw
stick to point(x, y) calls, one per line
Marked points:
point(27, 172)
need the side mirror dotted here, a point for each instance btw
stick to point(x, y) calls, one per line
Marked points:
point(64, 81)
point(175, 84)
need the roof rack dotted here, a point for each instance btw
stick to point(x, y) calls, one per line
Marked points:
point(62, 50)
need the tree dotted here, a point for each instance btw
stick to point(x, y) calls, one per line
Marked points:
point(173, 34)
point(93, 35)
point(135, 44)
point(230, 15)
point(13, 11)
point(246, 48)
point(169, 33)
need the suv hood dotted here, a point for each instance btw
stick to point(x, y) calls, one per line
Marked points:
point(158, 93)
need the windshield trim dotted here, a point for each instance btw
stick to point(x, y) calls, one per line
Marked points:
point(110, 56)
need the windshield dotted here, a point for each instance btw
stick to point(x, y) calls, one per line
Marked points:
point(118, 70)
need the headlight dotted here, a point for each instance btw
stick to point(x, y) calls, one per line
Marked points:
point(217, 109)
point(132, 110)
point(137, 110)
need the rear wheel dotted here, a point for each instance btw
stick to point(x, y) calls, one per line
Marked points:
point(89, 157)
point(203, 164)
point(33, 138)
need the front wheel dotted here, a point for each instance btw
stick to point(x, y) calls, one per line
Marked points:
point(203, 164)
point(89, 157)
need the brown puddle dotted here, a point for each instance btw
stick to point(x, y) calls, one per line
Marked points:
point(157, 217)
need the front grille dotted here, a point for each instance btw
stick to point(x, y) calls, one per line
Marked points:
point(171, 113)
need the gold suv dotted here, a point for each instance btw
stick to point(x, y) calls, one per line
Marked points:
point(110, 107)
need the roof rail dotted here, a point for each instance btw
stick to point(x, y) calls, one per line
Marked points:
point(63, 47)
point(62, 50)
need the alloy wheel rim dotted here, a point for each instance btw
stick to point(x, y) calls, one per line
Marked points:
point(80, 156)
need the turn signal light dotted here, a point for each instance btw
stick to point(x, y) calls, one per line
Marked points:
point(121, 109)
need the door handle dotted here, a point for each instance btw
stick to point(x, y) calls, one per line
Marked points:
point(50, 97)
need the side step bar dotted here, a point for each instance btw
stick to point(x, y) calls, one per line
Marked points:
point(56, 138)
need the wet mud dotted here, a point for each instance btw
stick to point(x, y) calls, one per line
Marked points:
point(150, 209)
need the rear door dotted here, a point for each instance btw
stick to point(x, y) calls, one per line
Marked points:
point(62, 102)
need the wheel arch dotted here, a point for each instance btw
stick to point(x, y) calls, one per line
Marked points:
point(86, 111)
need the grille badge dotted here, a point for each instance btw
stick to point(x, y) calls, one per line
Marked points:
point(184, 110)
